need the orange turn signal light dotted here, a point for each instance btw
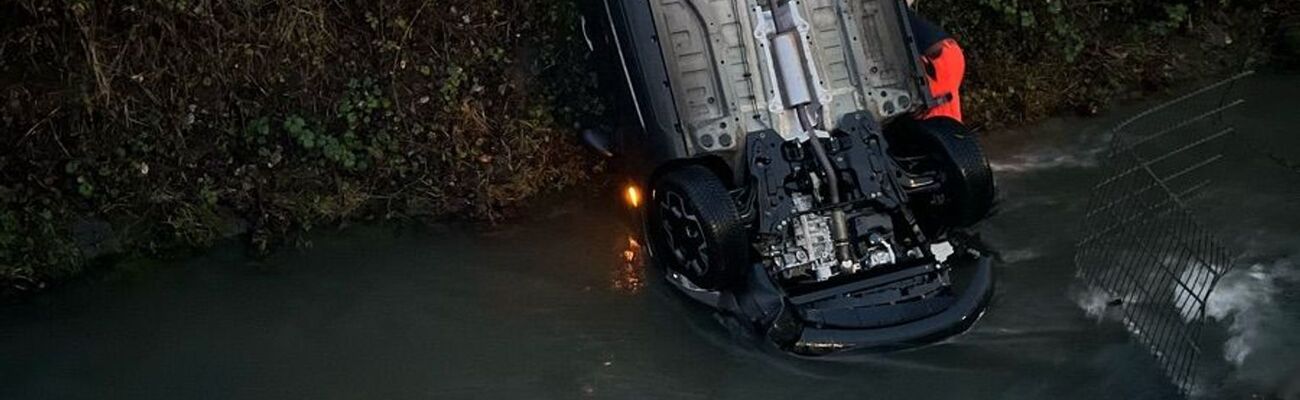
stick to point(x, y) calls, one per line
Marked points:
point(632, 195)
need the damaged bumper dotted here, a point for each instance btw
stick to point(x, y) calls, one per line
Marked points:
point(859, 316)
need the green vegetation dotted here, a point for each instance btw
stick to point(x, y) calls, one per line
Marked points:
point(145, 125)
point(1031, 59)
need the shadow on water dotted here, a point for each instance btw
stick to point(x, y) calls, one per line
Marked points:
point(550, 308)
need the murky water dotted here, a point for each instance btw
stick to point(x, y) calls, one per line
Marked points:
point(548, 309)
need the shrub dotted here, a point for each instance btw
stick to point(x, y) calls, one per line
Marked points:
point(1029, 59)
point(175, 120)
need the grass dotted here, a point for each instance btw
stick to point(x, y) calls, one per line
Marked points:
point(174, 123)
point(175, 120)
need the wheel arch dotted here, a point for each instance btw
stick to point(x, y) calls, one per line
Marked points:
point(713, 162)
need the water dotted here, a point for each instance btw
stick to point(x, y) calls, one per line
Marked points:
point(547, 308)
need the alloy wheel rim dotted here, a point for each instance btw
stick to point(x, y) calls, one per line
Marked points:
point(684, 234)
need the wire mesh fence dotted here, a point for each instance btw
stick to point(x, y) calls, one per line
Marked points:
point(1143, 248)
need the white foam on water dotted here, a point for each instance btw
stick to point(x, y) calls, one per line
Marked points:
point(1096, 303)
point(1243, 299)
point(1251, 303)
point(1197, 281)
point(1261, 346)
point(1093, 302)
point(1043, 161)
point(1018, 255)
point(1077, 155)
point(1246, 300)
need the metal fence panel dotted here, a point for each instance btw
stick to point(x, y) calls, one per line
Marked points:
point(1142, 246)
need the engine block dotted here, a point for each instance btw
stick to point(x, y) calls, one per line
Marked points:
point(808, 248)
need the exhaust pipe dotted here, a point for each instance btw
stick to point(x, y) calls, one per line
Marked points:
point(796, 90)
point(839, 222)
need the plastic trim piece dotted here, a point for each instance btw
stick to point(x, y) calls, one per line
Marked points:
point(961, 315)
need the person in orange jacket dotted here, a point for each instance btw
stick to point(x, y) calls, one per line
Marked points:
point(945, 66)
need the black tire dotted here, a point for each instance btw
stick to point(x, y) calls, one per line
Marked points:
point(694, 228)
point(967, 179)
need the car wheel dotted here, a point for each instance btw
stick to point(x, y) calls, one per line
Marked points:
point(695, 229)
point(966, 177)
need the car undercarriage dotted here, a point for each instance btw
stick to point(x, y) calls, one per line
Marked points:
point(791, 184)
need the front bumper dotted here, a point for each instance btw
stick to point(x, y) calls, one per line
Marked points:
point(829, 321)
point(953, 316)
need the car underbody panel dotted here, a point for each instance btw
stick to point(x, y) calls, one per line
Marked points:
point(716, 53)
point(808, 231)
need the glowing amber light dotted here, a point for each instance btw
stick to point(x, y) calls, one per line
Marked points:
point(632, 195)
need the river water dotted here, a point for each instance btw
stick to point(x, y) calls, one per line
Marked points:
point(548, 307)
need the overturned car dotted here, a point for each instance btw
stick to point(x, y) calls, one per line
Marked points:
point(790, 182)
